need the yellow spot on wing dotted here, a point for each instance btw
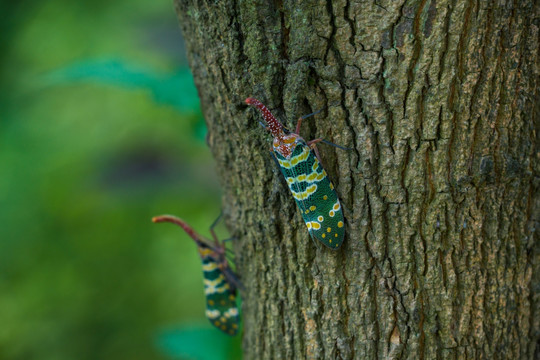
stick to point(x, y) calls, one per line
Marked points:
point(312, 208)
point(340, 224)
point(205, 252)
point(329, 229)
point(231, 312)
point(214, 282)
point(210, 266)
point(312, 176)
point(211, 314)
point(287, 164)
point(313, 225)
point(304, 194)
point(325, 197)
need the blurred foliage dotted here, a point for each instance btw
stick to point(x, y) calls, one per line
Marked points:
point(172, 89)
point(192, 341)
point(100, 129)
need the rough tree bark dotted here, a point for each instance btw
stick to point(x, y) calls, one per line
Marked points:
point(438, 100)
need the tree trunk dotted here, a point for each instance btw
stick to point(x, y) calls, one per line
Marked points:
point(438, 102)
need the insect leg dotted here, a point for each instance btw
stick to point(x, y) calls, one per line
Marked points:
point(232, 279)
point(315, 141)
point(304, 117)
point(313, 144)
point(214, 224)
point(229, 254)
point(335, 145)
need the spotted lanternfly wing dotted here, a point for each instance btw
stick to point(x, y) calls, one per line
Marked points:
point(314, 194)
point(307, 180)
point(220, 294)
point(219, 280)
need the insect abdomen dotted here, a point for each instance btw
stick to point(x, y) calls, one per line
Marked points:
point(221, 307)
point(314, 194)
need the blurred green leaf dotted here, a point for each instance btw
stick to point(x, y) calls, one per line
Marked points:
point(176, 89)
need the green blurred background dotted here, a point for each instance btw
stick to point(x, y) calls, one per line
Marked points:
point(100, 129)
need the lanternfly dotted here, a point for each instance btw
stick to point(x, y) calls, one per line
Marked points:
point(220, 283)
point(307, 180)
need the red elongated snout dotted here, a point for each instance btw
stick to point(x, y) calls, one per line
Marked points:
point(252, 101)
point(274, 126)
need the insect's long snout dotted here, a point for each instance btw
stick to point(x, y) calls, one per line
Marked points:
point(273, 125)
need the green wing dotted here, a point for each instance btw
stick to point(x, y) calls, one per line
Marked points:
point(315, 195)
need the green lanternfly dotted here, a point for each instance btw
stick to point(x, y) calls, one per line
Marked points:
point(307, 180)
point(220, 283)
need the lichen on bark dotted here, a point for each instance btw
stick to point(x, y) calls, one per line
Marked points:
point(439, 102)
